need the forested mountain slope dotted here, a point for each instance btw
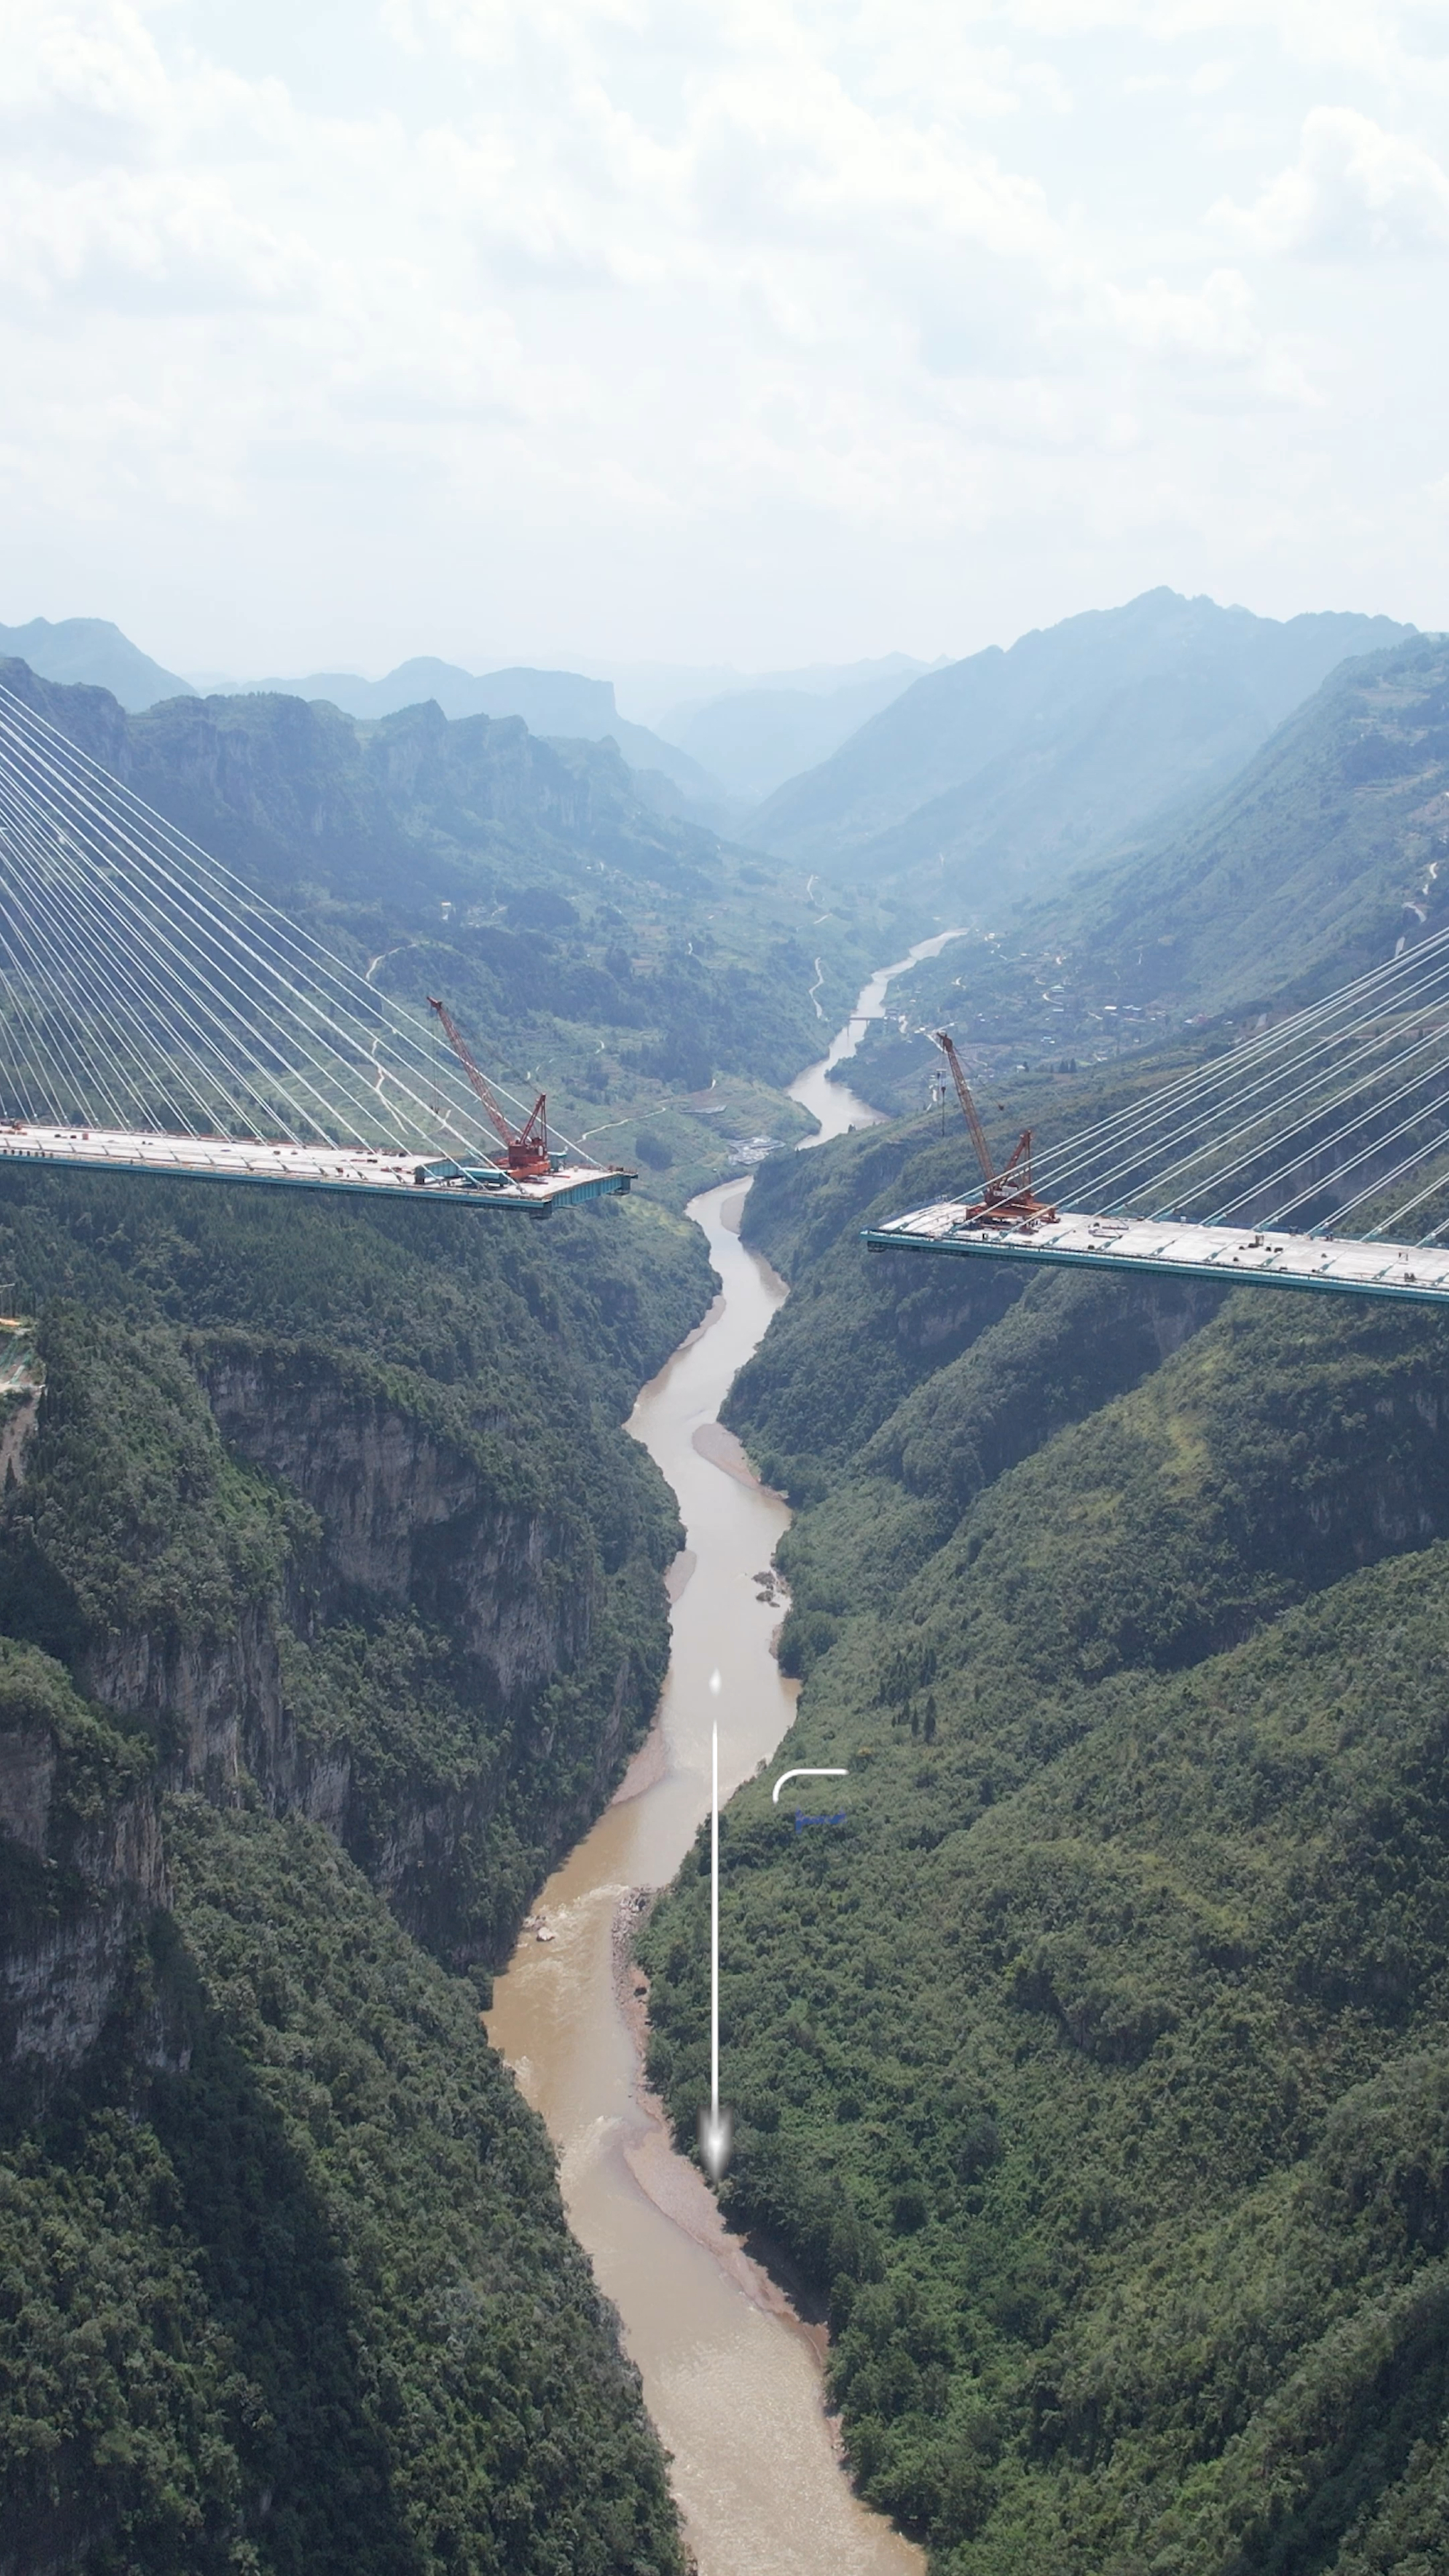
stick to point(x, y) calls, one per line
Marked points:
point(284, 2278)
point(295, 793)
point(337, 1502)
point(331, 1605)
point(1329, 846)
point(1097, 2067)
point(1004, 772)
point(1328, 850)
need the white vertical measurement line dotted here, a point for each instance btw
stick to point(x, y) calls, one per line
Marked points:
point(715, 1925)
point(714, 2124)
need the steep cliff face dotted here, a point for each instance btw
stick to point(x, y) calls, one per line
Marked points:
point(320, 1593)
point(334, 1507)
point(81, 1871)
point(215, 1704)
point(408, 1517)
point(284, 2276)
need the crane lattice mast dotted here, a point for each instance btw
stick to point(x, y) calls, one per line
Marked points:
point(1008, 1197)
point(526, 1152)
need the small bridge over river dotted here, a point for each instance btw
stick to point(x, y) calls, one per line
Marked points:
point(158, 1016)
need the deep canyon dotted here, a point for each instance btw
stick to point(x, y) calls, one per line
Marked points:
point(730, 2378)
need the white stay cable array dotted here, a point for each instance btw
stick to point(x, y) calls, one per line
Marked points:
point(1335, 1109)
point(144, 986)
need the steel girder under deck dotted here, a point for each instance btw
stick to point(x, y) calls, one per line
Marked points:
point(1329, 1264)
point(477, 1183)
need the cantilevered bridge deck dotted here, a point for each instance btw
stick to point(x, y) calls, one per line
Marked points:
point(1162, 1246)
point(160, 1017)
point(474, 1183)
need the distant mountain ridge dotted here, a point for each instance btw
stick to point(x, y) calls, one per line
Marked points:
point(413, 802)
point(561, 704)
point(1328, 850)
point(91, 652)
point(1331, 843)
point(1005, 772)
point(664, 694)
point(532, 881)
point(755, 739)
point(988, 780)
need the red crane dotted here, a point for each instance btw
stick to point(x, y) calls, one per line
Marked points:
point(1008, 1197)
point(526, 1152)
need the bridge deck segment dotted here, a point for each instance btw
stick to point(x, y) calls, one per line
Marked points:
point(1325, 1263)
point(306, 1167)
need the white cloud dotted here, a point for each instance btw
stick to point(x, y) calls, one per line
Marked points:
point(538, 325)
point(1216, 324)
point(1354, 192)
point(176, 237)
point(83, 61)
point(1384, 39)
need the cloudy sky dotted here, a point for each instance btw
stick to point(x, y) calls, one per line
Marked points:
point(750, 331)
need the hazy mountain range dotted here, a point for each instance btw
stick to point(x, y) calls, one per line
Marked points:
point(90, 652)
point(1332, 842)
point(956, 788)
point(1002, 773)
point(753, 735)
point(725, 747)
point(413, 802)
point(552, 703)
point(663, 694)
point(1328, 848)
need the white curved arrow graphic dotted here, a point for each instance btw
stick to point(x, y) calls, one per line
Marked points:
point(804, 1775)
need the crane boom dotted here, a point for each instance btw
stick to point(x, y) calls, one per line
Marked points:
point(1008, 1197)
point(525, 1148)
point(968, 1106)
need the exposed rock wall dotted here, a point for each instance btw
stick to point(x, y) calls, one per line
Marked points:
point(216, 1704)
point(73, 1900)
point(408, 1518)
point(404, 1522)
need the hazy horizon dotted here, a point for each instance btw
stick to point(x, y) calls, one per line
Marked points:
point(654, 685)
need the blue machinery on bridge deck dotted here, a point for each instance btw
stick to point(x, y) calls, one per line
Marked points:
point(1164, 1248)
point(308, 1167)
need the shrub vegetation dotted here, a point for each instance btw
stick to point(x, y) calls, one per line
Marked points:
point(1096, 2069)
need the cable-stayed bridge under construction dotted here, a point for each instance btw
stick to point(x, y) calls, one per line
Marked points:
point(1312, 1155)
point(158, 1015)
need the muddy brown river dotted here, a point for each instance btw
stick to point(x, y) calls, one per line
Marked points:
point(731, 2377)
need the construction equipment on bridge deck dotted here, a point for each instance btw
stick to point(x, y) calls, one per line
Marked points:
point(1294, 1152)
point(1008, 1197)
point(369, 1170)
point(1336, 1264)
point(525, 1154)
